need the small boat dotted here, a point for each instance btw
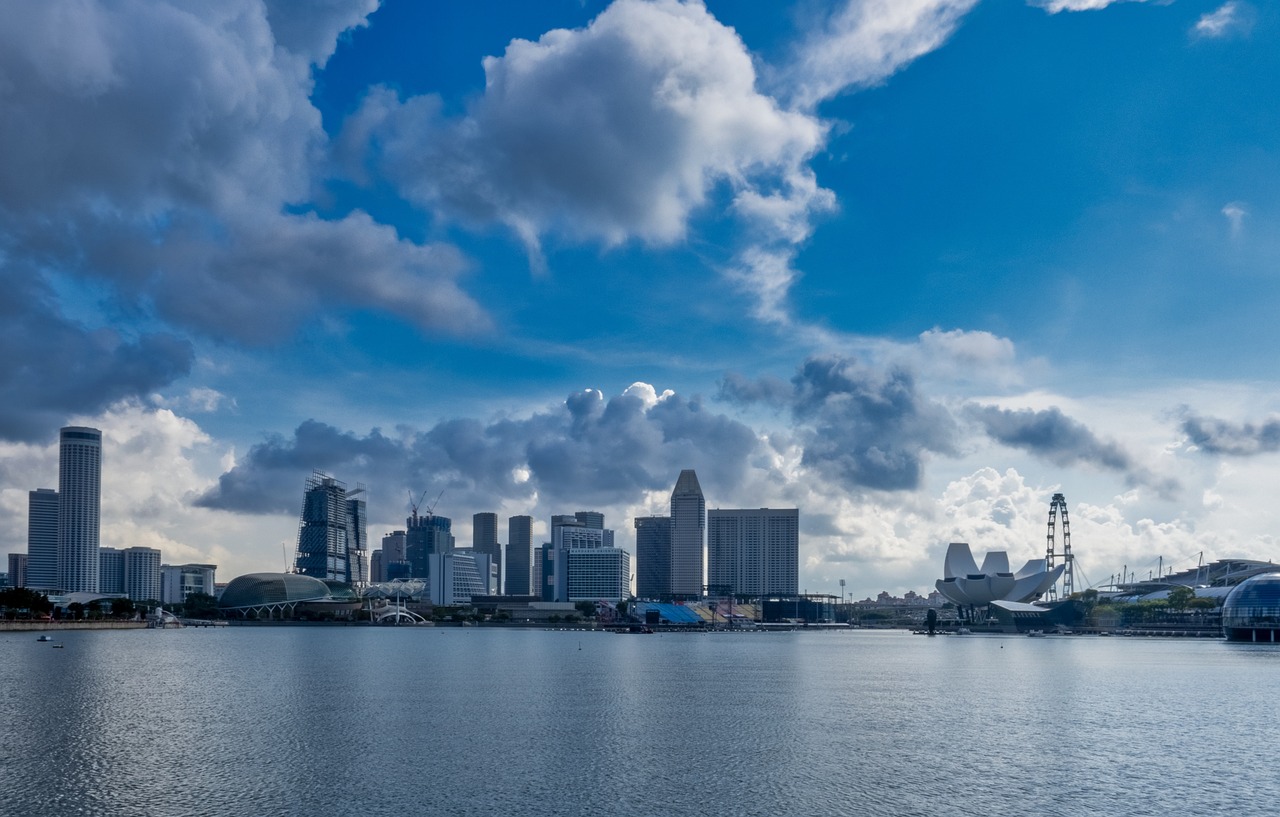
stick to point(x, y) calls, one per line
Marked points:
point(45, 638)
point(1036, 634)
point(59, 646)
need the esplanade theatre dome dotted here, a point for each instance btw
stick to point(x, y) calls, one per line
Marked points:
point(1251, 611)
point(258, 590)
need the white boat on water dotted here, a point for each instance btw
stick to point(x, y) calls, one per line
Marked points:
point(45, 638)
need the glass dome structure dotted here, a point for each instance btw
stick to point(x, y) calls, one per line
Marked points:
point(1251, 611)
point(267, 590)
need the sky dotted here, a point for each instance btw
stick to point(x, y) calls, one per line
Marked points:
point(910, 266)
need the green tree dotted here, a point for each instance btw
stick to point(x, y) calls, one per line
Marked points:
point(1180, 597)
point(17, 599)
point(587, 609)
point(76, 609)
point(200, 605)
point(123, 608)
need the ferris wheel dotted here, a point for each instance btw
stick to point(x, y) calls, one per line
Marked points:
point(1053, 556)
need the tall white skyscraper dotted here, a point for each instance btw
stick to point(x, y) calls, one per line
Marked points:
point(79, 508)
point(688, 522)
point(42, 539)
point(753, 552)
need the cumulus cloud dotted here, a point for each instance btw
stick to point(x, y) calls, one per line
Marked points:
point(866, 41)
point(588, 449)
point(861, 427)
point(1065, 442)
point(615, 131)
point(163, 149)
point(1233, 18)
point(1214, 436)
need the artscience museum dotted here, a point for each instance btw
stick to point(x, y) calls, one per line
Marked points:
point(966, 584)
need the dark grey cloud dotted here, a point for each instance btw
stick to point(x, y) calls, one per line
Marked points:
point(585, 451)
point(52, 368)
point(164, 149)
point(862, 427)
point(1214, 436)
point(1055, 437)
point(1052, 435)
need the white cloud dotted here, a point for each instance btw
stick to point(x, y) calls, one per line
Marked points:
point(1232, 18)
point(1235, 213)
point(866, 42)
point(1055, 6)
point(617, 131)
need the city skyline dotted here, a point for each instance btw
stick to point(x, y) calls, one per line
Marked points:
point(910, 267)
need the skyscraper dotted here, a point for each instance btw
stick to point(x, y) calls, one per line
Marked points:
point(653, 557)
point(79, 508)
point(519, 555)
point(754, 552)
point(42, 539)
point(688, 522)
point(484, 539)
point(425, 537)
point(133, 571)
point(332, 532)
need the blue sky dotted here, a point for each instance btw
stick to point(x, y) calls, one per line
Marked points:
point(911, 266)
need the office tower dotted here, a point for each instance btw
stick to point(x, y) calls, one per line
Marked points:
point(377, 572)
point(18, 564)
point(519, 556)
point(653, 557)
point(592, 519)
point(179, 581)
point(581, 563)
point(42, 539)
point(688, 521)
point(484, 539)
point(332, 532)
point(754, 552)
point(79, 508)
point(426, 536)
point(395, 557)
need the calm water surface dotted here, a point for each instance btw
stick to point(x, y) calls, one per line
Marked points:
point(342, 721)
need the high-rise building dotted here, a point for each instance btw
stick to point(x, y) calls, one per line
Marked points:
point(18, 563)
point(519, 556)
point(179, 581)
point(79, 508)
point(592, 519)
point(457, 575)
point(42, 539)
point(484, 539)
point(133, 571)
point(426, 536)
point(393, 557)
point(597, 574)
point(753, 552)
point(688, 522)
point(332, 532)
point(581, 562)
point(653, 557)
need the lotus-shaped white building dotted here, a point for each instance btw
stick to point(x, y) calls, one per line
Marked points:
point(965, 584)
